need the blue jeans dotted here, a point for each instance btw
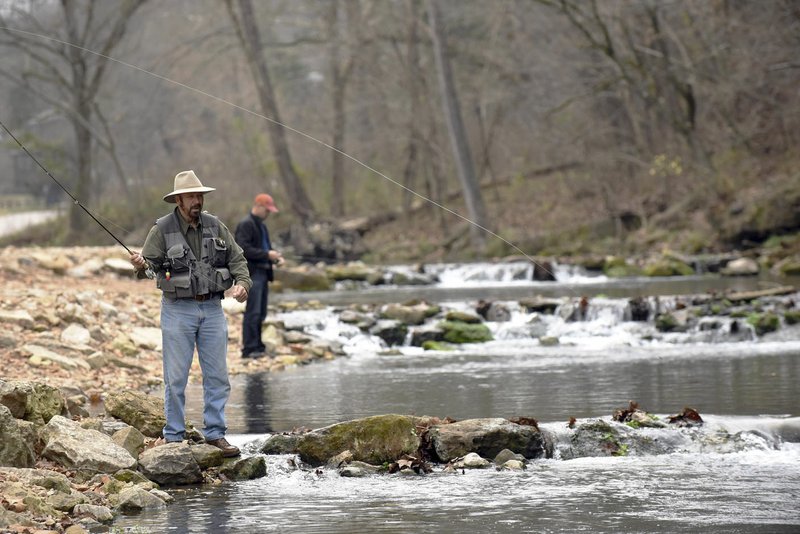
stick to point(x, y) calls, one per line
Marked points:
point(186, 324)
point(255, 312)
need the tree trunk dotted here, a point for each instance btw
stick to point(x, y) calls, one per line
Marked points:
point(458, 136)
point(250, 40)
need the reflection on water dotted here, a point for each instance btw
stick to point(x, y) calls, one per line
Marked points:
point(547, 384)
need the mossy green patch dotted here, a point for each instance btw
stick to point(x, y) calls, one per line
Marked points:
point(373, 440)
point(764, 322)
point(460, 332)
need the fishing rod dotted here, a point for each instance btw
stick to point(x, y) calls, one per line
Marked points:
point(148, 271)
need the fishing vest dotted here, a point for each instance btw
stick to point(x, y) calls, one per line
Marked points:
point(183, 275)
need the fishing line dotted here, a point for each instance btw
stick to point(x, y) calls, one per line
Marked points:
point(75, 200)
point(278, 123)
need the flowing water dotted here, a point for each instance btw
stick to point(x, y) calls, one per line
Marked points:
point(740, 474)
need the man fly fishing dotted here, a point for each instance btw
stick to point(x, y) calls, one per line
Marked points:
point(195, 259)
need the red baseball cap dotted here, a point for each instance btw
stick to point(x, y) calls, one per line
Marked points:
point(265, 200)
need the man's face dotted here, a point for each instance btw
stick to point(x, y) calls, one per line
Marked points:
point(261, 212)
point(190, 205)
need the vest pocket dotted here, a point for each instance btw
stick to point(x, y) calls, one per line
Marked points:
point(222, 278)
point(178, 286)
point(217, 251)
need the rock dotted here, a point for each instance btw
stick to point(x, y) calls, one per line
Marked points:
point(344, 457)
point(17, 317)
point(129, 439)
point(303, 279)
point(170, 464)
point(129, 476)
point(741, 267)
point(281, 444)
point(32, 401)
point(42, 353)
point(354, 270)
point(437, 345)
point(207, 455)
point(76, 334)
point(668, 267)
point(141, 411)
point(638, 309)
point(549, 341)
point(460, 332)
point(88, 268)
point(764, 322)
point(118, 266)
point(245, 468)
point(15, 450)
point(472, 461)
point(373, 440)
point(487, 437)
point(83, 449)
point(136, 499)
point(390, 331)
point(358, 470)
point(146, 337)
point(462, 317)
point(512, 465)
point(539, 305)
point(506, 455)
point(101, 514)
point(409, 315)
point(426, 334)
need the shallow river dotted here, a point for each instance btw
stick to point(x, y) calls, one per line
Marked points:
point(743, 388)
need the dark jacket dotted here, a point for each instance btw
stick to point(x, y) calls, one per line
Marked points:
point(249, 237)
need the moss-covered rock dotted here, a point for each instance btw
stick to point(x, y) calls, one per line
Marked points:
point(460, 332)
point(764, 322)
point(354, 270)
point(303, 279)
point(462, 317)
point(374, 440)
point(143, 412)
point(668, 267)
point(436, 345)
point(32, 401)
point(791, 317)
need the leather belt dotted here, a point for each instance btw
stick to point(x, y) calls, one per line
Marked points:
point(201, 298)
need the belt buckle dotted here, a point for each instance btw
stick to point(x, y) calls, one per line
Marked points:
point(202, 298)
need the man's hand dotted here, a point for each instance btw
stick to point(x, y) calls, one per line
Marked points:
point(239, 293)
point(138, 261)
point(276, 257)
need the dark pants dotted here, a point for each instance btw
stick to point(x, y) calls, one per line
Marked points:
point(254, 313)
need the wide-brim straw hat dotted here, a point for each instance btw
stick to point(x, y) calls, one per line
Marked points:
point(186, 182)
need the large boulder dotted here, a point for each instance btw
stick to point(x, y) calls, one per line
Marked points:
point(32, 401)
point(487, 437)
point(171, 464)
point(72, 446)
point(15, 449)
point(143, 412)
point(374, 440)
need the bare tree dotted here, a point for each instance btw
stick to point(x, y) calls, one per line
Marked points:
point(75, 68)
point(244, 22)
point(455, 125)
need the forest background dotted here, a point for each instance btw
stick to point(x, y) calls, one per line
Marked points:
point(567, 127)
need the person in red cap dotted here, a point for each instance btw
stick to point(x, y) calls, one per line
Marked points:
point(252, 235)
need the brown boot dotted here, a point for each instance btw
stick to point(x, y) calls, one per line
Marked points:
point(228, 450)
